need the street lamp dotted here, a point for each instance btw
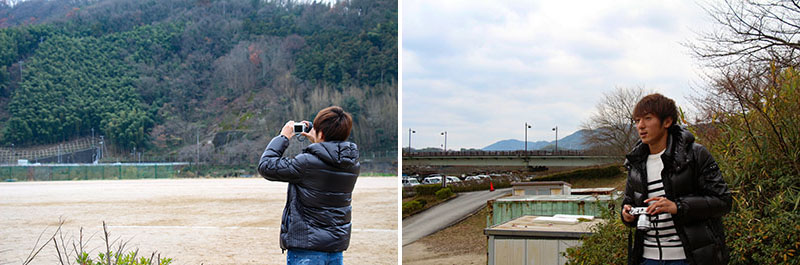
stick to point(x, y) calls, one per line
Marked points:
point(556, 129)
point(409, 139)
point(444, 177)
point(527, 126)
point(445, 140)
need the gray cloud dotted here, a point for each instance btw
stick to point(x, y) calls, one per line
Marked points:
point(481, 69)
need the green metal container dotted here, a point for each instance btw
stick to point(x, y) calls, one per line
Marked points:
point(506, 209)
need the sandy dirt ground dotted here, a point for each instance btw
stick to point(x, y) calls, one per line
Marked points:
point(194, 221)
point(419, 253)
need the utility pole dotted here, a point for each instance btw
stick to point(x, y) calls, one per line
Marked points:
point(102, 146)
point(197, 133)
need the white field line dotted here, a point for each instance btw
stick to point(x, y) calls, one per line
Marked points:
point(232, 227)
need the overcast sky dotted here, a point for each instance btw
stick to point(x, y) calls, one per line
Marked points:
point(481, 69)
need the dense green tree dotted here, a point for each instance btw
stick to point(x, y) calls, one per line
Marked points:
point(123, 67)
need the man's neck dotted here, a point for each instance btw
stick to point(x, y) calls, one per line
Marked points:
point(659, 145)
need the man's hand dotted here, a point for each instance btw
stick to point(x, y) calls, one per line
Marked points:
point(288, 129)
point(661, 205)
point(625, 215)
point(311, 135)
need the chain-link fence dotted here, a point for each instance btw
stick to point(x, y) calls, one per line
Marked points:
point(47, 172)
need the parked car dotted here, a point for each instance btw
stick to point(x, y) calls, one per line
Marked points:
point(478, 178)
point(410, 182)
point(453, 179)
point(432, 180)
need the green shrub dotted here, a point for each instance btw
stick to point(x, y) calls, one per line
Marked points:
point(595, 172)
point(444, 194)
point(118, 259)
point(411, 206)
point(498, 183)
point(469, 186)
point(758, 152)
point(608, 243)
point(427, 189)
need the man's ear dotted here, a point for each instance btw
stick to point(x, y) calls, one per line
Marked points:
point(320, 137)
point(667, 122)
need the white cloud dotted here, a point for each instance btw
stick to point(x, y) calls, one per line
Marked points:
point(481, 69)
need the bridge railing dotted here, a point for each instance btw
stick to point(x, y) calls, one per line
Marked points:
point(519, 153)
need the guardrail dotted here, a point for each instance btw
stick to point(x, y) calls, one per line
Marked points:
point(48, 172)
point(497, 153)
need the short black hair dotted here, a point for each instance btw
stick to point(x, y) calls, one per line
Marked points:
point(658, 105)
point(334, 123)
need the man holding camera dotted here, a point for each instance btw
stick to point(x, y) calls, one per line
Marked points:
point(315, 228)
point(680, 184)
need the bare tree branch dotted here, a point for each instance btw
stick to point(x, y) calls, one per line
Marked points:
point(751, 33)
point(611, 128)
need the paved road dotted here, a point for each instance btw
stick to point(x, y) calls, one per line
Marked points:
point(446, 214)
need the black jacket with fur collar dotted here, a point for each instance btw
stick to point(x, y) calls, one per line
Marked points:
point(692, 180)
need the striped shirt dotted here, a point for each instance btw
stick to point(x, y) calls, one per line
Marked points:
point(671, 247)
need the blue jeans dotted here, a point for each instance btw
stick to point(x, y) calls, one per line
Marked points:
point(666, 262)
point(310, 257)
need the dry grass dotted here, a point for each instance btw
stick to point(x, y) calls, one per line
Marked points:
point(617, 182)
point(461, 238)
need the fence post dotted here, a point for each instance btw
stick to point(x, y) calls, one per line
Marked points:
point(120, 172)
point(86, 173)
point(102, 172)
point(155, 171)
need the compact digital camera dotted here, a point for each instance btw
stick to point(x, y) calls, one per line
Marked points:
point(643, 221)
point(300, 127)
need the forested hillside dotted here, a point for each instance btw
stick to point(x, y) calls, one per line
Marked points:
point(154, 75)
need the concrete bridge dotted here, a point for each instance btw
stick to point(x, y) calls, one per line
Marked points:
point(568, 158)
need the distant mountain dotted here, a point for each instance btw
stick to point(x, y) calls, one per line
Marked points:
point(573, 141)
point(514, 144)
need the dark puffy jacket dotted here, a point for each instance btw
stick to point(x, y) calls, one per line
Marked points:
point(321, 180)
point(693, 181)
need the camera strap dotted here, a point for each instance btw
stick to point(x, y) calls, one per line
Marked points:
point(653, 219)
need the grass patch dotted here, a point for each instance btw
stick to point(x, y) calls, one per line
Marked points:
point(462, 238)
point(427, 202)
point(70, 250)
point(612, 176)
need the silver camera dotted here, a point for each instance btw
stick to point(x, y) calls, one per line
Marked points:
point(643, 220)
point(300, 127)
